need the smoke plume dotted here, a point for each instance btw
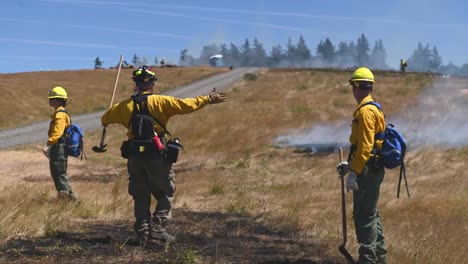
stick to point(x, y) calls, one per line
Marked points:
point(439, 117)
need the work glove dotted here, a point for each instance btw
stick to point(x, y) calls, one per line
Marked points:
point(351, 182)
point(215, 98)
point(46, 151)
point(342, 168)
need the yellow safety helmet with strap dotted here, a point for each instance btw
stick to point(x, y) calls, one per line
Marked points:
point(58, 92)
point(362, 74)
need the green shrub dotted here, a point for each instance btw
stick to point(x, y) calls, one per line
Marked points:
point(250, 77)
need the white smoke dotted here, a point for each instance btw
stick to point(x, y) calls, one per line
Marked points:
point(337, 133)
point(439, 117)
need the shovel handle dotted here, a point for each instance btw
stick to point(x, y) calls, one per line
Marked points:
point(340, 153)
point(103, 137)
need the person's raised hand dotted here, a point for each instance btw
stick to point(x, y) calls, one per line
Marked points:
point(215, 97)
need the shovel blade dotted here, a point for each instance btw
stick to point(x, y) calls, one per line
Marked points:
point(99, 149)
point(346, 254)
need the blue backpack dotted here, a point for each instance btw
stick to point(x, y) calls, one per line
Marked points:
point(73, 138)
point(393, 149)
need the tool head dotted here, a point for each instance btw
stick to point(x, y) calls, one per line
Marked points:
point(100, 149)
point(346, 254)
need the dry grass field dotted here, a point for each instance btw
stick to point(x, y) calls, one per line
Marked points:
point(25, 100)
point(239, 199)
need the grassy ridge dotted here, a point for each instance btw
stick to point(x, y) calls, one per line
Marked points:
point(230, 170)
point(25, 100)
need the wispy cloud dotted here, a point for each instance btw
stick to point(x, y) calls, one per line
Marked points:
point(210, 18)
point(77, 45)
point(366, 19)
point(41, 58)
point(127, 7)
point(108, 29)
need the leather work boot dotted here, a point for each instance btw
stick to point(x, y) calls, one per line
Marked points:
point(142, 239)
point(70, 197)
point(142, 234)
point(158, 230)
point(161, 235)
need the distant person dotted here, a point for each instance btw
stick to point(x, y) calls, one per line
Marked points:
point(403, 66)
point(364, 169)
point(55, 149)
point(146, 115)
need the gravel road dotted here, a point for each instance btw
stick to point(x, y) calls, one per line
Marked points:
point(28, 134)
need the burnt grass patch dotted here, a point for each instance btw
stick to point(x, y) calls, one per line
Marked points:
point(202, 237)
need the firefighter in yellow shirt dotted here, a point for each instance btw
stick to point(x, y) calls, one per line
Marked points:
point(403, 66)
point(149, 170)
point(55, 148)
point(365, 173)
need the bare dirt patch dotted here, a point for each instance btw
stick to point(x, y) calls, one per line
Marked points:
point(202, 237)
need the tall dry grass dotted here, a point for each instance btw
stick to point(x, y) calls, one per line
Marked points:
point(230, 166)
point(24, 95)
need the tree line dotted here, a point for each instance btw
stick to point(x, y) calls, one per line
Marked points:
point(326, 54)
point(425, 58)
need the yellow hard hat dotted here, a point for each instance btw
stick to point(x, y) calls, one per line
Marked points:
point(362, 74)
point(58, 92)
point(144, 74)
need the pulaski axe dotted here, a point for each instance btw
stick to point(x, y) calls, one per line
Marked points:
point(342, 247)
point(102, 145)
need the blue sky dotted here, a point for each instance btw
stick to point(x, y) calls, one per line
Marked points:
point(69, 34)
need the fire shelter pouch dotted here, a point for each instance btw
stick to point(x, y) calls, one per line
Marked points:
point(139, 148)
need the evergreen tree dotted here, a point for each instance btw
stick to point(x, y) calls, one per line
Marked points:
point(290, 53)
point(436, 61)
point(185, 58)
point(135, 60)
point(259, 54)
point(463, 70)
point(98, 63)
point(235, 55)
point(246, 53)
point(345, 55)
point(302, 52)
point(420, 60)
point(227, 59)
point(277, 56)
point(378, 56)
point(362, 49)
point(326, 52)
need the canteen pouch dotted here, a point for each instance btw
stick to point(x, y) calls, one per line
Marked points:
point(125, 149)
point(172, 150)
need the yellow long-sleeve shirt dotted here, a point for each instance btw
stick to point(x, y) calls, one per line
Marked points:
point(368, 121)
point(60, 122)
point(161, 107)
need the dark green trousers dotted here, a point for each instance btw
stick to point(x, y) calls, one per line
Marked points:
point(58, 160)
point(150, 176)
point(369, 228)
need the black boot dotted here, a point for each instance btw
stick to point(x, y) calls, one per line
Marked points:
point(142, 234)
point(158, 230)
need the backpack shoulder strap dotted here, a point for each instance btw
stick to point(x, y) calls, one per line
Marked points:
point(142, 101)
point(380, 135)
point(64, 111)
point(374, 103)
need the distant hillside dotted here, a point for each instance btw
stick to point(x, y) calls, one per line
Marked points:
point(24, 95)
